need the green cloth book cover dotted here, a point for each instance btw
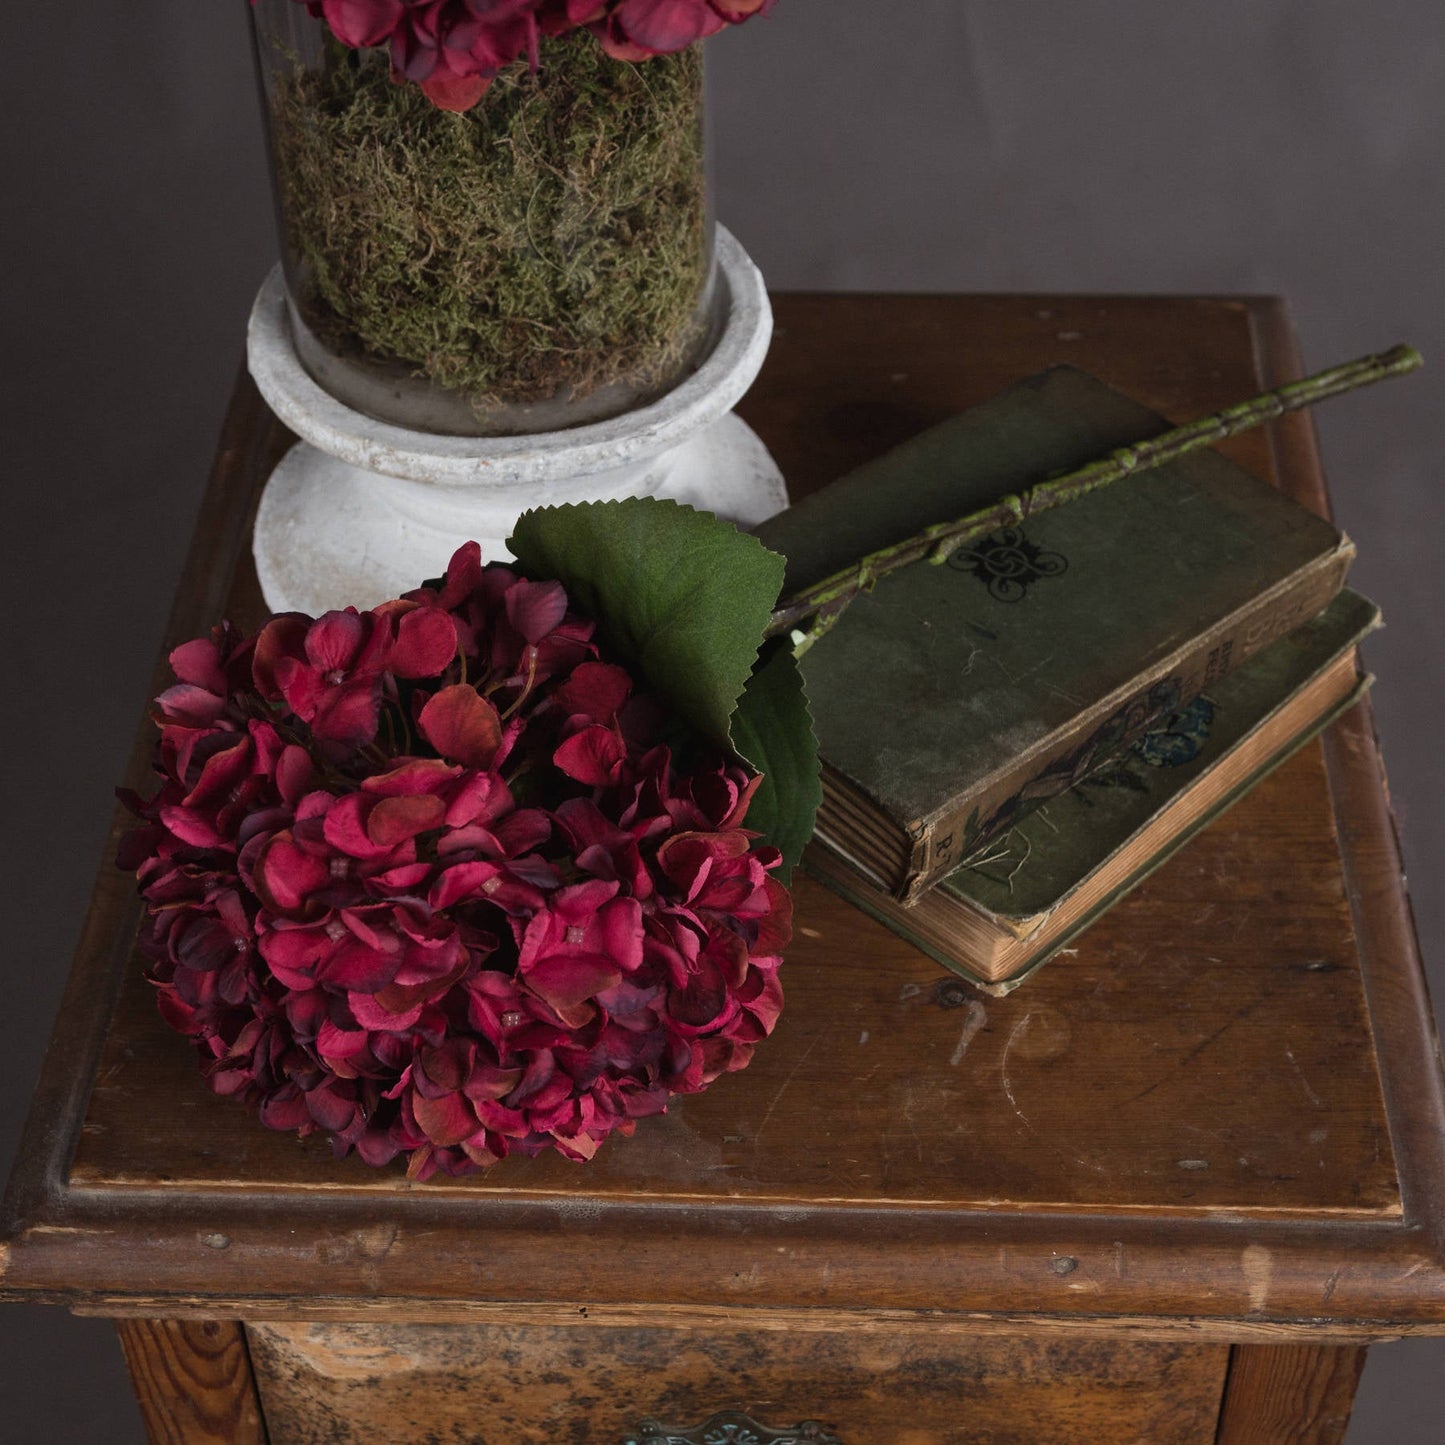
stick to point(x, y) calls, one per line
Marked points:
point(953, 698)
point(1052, 873)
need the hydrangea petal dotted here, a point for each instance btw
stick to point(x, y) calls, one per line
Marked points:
point(462, 726)
point(445, 1120)
point(385, 947)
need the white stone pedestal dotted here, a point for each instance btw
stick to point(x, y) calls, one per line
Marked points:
point(360, 511)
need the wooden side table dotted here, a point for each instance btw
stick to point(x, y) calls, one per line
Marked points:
point(1167, 1191)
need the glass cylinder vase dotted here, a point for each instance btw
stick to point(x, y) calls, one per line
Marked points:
point(540, 261)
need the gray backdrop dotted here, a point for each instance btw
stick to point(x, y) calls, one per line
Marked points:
point(1289, 146)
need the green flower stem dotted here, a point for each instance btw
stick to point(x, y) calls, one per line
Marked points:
point(821, 604)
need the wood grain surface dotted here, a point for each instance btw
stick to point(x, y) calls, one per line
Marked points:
point(1289, 1394)
point(193, 1382)
point(1159, 1067)
point(1223, 1112)
point(397, 1384)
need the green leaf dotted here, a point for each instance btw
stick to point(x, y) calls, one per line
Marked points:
point(680, 596)
point(773, 730)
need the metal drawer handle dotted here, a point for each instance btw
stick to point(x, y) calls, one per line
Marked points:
point(731, 1427)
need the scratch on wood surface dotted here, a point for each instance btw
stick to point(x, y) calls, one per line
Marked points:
point(1258, 1266)
point(908, 1119)
point(778, 1097)
point(976, 1019)
point(1330, 1285)
point(1195, 1052)
point(1018, 1028)
point(1305, 1083)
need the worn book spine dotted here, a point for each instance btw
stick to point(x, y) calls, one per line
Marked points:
point(969, 946)
point(937, 845)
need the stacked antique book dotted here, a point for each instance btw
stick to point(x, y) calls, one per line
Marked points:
point(1013, 740)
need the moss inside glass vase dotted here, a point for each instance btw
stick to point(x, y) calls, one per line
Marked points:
point(552, 242)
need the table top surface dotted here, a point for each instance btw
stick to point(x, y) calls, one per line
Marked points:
point(1219, 1111)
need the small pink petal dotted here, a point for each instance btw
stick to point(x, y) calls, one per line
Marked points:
point(426, 643)
point(187, 703)
point(455, 92)
point(198, 663)
point(192, 827)
point(334, 639)
point(347, 714)
point(592, 756)
point(330, 1106)
point(536, 608)
point(282, 637)
point(394, 820)
point(355, 968)
point(417, 775)
point(462, 726)
point(447, 1120)
point(300, 684)
point(488, 1082)
point(359, 23)
point(371, 1012)
point(345, 828)
point(596, 689)
point(565, 981)
point(478, 796)
point(293, 772)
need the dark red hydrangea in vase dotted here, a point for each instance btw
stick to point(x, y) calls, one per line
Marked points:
point(454, 48)
point(428, 879)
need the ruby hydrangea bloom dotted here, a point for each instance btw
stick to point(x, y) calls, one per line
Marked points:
point(454, 48)
point(640, 29)
point(423, 878)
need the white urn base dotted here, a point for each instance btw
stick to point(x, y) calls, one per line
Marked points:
point(360, 510)
point(329, 534)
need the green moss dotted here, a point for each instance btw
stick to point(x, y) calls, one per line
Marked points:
point(550, 241)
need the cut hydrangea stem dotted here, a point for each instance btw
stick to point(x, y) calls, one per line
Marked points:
point(811, 611)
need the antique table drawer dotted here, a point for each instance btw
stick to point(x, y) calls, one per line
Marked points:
point(491, 1385)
